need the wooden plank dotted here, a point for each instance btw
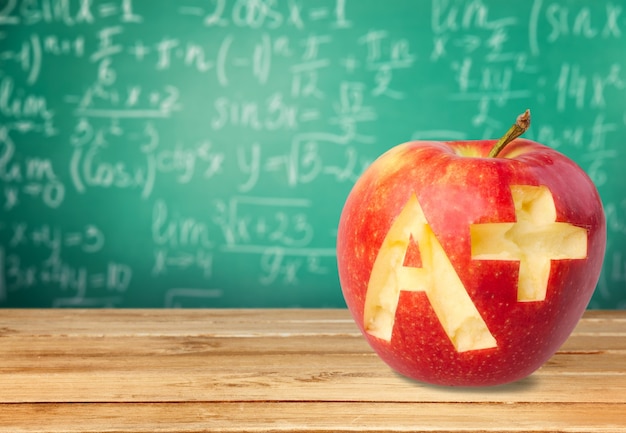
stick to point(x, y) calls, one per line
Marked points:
point(224, 322)
point(144, 356)
point(277, 370)
point(311, 417)
point(606, 315)
point(174, 322)
point(53, 345)
point(585, 343)
point(78, 353)
point(50, 346)
point(84, 373)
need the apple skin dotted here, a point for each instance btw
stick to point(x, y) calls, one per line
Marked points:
point(455, 191)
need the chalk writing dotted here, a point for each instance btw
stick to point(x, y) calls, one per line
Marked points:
point(198, 153)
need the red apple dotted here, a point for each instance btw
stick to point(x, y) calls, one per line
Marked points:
point(469, 269)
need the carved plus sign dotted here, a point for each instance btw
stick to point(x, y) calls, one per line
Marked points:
point(535, 240)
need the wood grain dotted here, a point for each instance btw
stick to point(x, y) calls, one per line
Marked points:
point(277, 370)
point(313, 417)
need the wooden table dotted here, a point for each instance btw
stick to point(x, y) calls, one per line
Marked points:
point(277, 370)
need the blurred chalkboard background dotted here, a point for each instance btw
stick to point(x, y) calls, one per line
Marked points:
point(197, 153)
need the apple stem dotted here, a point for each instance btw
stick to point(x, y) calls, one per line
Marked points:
point(520, 126)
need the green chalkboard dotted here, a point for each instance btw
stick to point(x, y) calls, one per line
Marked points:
point(197, 153)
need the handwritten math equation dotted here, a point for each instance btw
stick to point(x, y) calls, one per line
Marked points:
point(181, 153)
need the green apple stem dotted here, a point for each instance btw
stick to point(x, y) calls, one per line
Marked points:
point(520, 126)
